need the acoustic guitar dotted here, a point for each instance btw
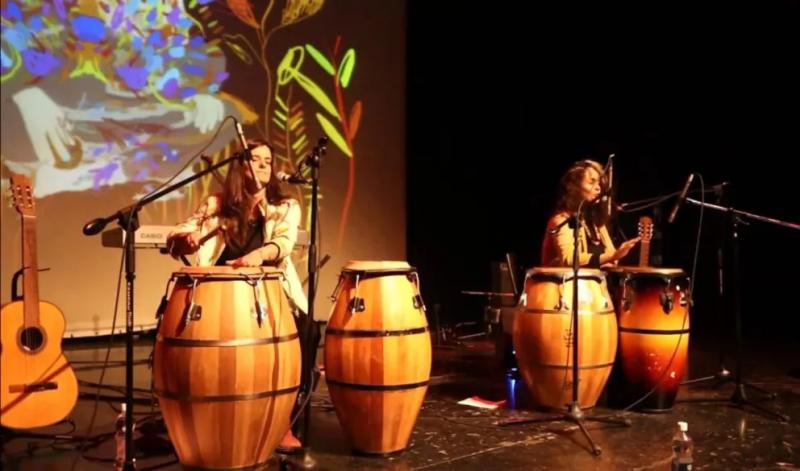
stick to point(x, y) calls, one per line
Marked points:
point(646, 233)
point(37, 384)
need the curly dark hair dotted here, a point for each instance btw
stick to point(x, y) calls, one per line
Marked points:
point(570, 194)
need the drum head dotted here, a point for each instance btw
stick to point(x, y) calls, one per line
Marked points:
point(229, 272)
point(377, 266)
point(564, 272)
point(655, 271)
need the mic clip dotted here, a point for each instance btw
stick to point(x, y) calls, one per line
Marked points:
point(294, 179)
point(317, 152)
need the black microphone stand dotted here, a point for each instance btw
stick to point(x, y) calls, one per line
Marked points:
point(128, 219)
point(723, 374)
point(574, 412)
point(739, 397)
point(311, 337)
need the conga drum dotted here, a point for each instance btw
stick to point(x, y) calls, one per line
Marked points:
point(653, 314)
point(377, 355)
point(226, 365)
point(543, 336)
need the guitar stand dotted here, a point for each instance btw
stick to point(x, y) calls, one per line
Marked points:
point(15, 296)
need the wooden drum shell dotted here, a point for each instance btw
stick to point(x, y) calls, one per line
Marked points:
point(377, 359)
point(227, 385)
point(653, 314)
point(543, 338)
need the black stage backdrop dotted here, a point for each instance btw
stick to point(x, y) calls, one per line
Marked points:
point(501, 102)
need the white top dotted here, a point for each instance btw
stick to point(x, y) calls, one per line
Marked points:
point(684, 426)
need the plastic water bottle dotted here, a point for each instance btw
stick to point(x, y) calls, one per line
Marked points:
point(682, 448)
point(119, 436)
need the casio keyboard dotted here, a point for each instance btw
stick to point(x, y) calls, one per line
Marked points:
point(155, 237)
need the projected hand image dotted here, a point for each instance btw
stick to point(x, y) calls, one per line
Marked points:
point(49, 129)
point(206, 114)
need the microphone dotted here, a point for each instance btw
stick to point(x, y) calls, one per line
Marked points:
point(240, 132)
point(246, 153)
point(680, 200)
point(608, 193)
point(295, 179)
point(94, 226)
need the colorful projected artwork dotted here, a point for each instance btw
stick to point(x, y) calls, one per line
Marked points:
point(113, 92)
point(110, 92)
point(104, 101)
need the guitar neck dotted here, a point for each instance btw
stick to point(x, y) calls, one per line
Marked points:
point(30, 275)
point(644, 253)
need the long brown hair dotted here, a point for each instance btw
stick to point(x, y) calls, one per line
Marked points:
point(234, 210)
point(570, 194)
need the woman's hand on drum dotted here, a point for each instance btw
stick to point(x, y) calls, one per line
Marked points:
point(184, 244)
point(624, 248)
point(253, 259)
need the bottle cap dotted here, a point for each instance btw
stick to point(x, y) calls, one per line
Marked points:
point(124, 406)
point(684, 426)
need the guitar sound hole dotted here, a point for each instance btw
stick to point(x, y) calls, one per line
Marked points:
point(31, 339)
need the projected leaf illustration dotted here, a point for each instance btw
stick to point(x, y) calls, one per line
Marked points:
point(284, 119)
point(338, 122)
point(291, 142)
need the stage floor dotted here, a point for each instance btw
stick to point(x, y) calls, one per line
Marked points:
point(452, 436)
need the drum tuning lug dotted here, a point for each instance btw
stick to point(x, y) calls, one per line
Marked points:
point(667, 301)
point(418, 303)
point(627, 300)
point(162, 306)
point(259, 313)
point(193, 313)
point(356, 305)
point(561, 304)
point(193, 310)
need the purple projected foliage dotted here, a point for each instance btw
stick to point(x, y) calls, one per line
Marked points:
point(98, 82)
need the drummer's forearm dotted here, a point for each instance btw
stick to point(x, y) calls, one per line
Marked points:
point(607, 258)
point(269, 252)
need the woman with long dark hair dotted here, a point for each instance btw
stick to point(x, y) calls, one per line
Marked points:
point(582, 186)
point(250, 224)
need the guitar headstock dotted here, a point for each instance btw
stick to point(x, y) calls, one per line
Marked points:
point(22, 195)
point(646, 228)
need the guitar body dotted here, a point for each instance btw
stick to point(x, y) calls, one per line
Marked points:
point(38, 385)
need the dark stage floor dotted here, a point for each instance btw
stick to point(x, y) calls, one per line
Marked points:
point(451, 436)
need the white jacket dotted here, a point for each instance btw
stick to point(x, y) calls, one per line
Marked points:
point(280, 229)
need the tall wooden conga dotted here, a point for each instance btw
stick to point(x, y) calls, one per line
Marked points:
point(377, 355)
point(227, 365)
point(653, 314)
point(543, 336)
